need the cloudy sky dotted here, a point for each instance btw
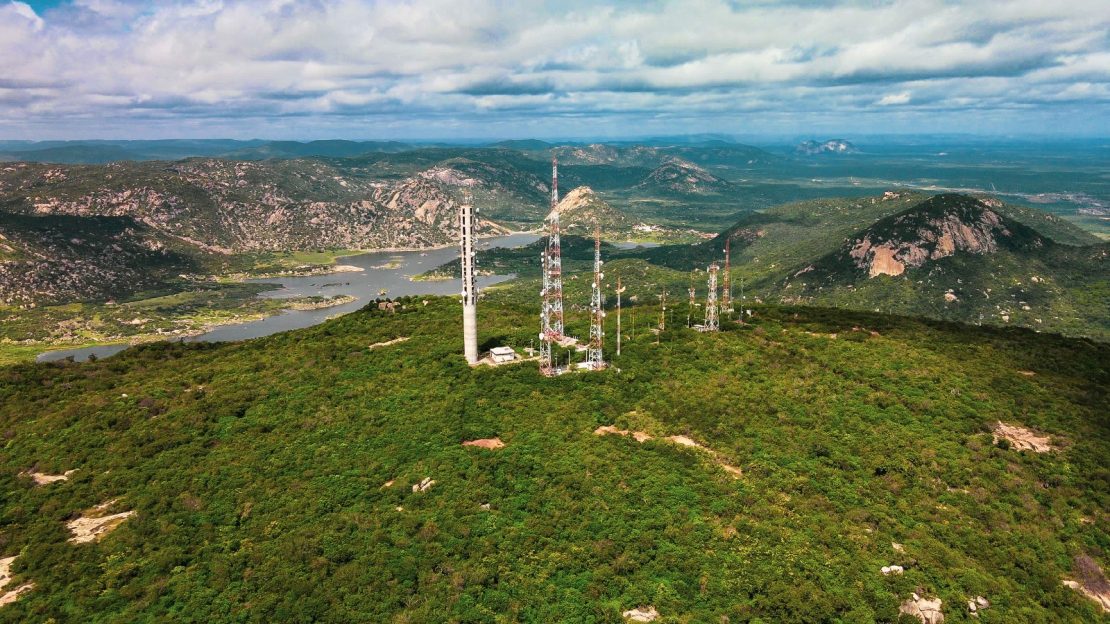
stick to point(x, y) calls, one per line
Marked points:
point(361, 69)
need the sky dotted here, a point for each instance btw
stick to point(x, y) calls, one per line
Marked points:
point(454, 69)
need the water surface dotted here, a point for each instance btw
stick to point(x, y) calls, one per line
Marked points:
point(390, 271)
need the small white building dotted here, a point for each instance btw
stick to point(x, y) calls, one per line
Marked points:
point(500, 355)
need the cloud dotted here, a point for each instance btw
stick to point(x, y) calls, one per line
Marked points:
point(483, 64)
point(894, 98)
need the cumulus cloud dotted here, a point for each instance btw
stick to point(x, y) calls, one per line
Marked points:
point(477, 64)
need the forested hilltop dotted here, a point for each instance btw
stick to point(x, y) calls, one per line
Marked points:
point(273, 480)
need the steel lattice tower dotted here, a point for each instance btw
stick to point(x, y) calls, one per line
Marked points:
point(469, 280)
point(620, 289)
point(552, 315)
point(546, 365)
point(726, 287)
point(712, 322)
point(594, 360)
point(690, 308)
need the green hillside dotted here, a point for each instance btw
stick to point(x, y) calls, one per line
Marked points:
point(272, 480)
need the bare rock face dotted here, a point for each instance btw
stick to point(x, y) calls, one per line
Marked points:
point(683, 177)
point(581, 210)
point(98, 232)
point(925, 609)
point(1090, 581)
point(641, 614)
point(1021, 438)
point(943, 226)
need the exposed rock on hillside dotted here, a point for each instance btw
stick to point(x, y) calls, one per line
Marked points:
point(581, 210)
point(925, 609)
point(249, 206)
point(678, 176)
point(831, 146)
point(939, 227)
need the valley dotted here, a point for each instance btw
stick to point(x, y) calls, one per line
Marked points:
point(81, 244)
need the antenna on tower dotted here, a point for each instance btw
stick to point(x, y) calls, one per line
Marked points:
point(690, 308)
point(469, 279)
point(551, 314)
point(620, 289)
point(726, 290)
point(712, 321)
point(594, 360)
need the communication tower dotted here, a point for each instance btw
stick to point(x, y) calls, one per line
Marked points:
point(712, 322)
point(551, 315)
point(594, 360)
point(469, 280)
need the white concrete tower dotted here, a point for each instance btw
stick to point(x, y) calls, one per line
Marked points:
point(469, 280)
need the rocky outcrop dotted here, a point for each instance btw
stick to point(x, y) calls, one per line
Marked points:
point(641, 614)
point(831, 146)
point(581, 210)
point(938, 228)
point(1021, 438)
point(677, 176)
point(925, 609)
point(94, 233)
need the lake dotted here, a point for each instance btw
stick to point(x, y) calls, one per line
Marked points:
point(389, 270)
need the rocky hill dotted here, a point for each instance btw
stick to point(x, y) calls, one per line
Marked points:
point(64, 258)
point(234, 207)
point(939, 227)
point(831, 146)
point(581, 210)
point(680, 177)
point(952, 257)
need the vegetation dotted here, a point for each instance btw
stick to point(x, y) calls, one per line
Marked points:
point(26, 333)
point(259, 472)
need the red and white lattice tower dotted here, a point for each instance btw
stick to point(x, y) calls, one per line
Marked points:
point(594, 360)
point(712, 322)
point(552, 314)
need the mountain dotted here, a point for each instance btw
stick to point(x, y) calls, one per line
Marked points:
point(524, 145)
point(245, 206)
point(54, 259)
point(952, 257)
point(763, 473)
point(831, 146)
point(328, 149)
point(680, 177)
point(941, 226)
point(958, 257)
point(581, 210)
point(71, 154)
point(705, 154)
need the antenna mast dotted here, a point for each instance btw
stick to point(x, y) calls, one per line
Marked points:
point(712, 322)
point(726, 290)
point(552, 307)
point(594, 360)
point(620, 289)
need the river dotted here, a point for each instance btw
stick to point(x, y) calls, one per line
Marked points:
point(389, 270)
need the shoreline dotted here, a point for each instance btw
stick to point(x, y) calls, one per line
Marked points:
point(322, 270)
